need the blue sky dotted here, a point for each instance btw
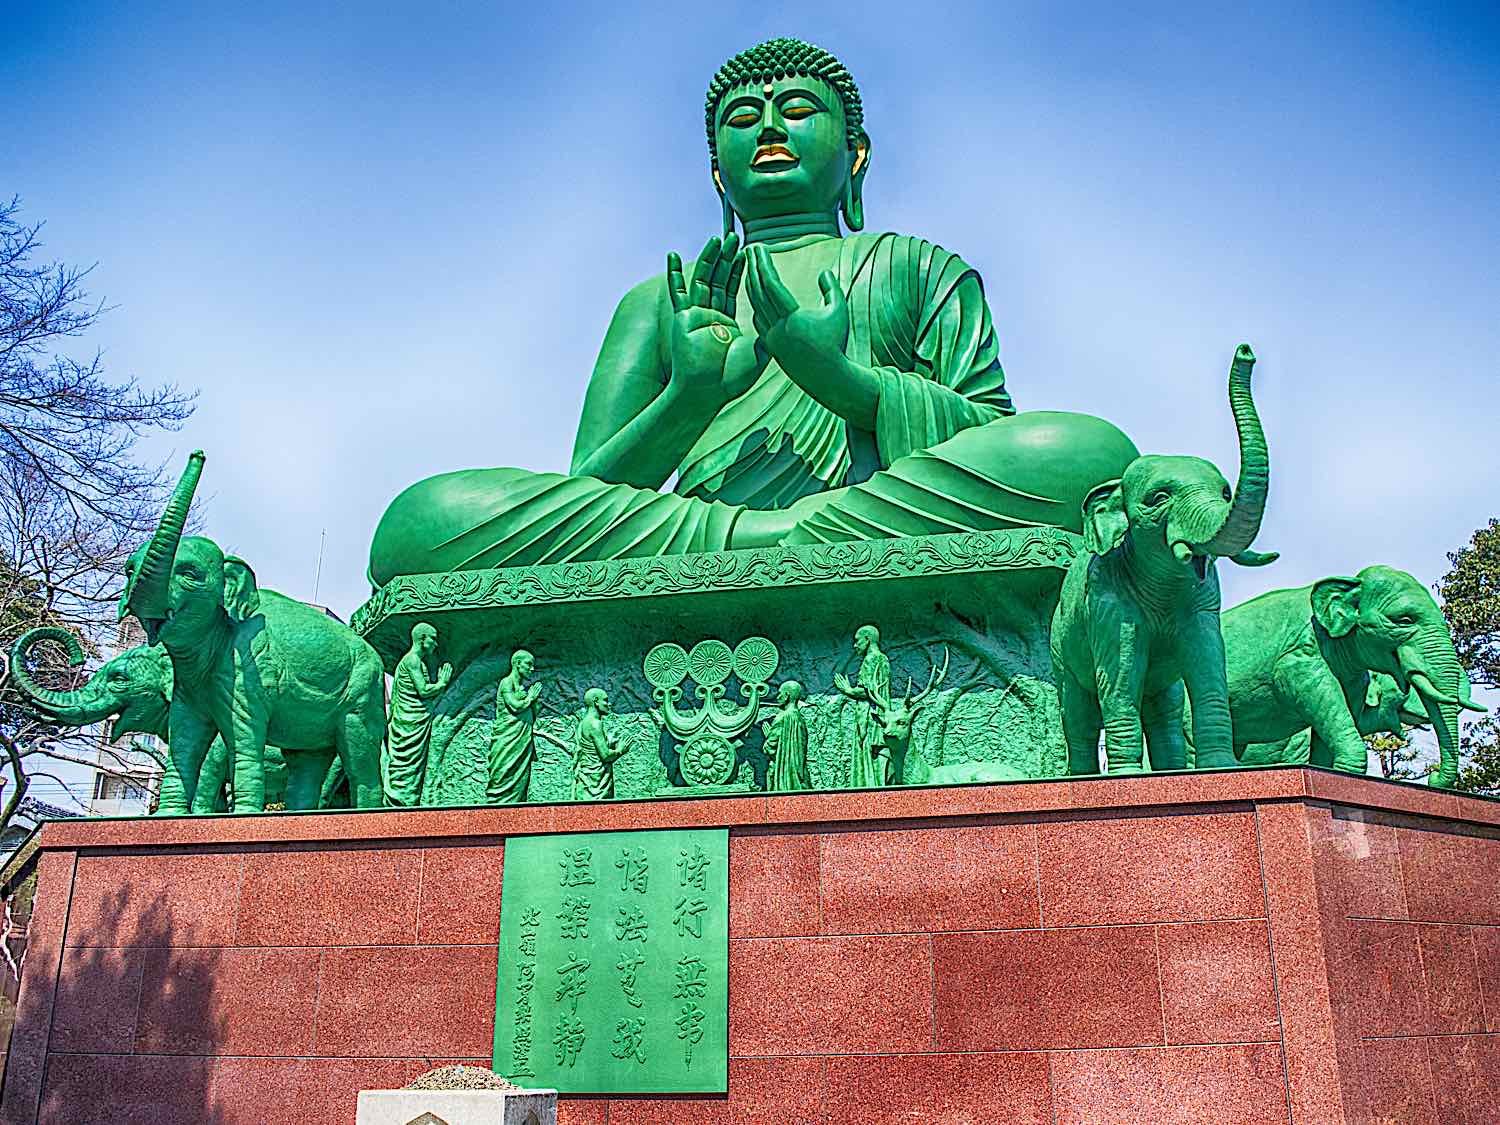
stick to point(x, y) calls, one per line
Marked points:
point(384, 240)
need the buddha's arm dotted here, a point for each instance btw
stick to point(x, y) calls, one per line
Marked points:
point(637, 426)
point(949, 382)
point(953, 382)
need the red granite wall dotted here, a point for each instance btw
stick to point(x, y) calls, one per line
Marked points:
point(1243, 947)
point(1410, 909)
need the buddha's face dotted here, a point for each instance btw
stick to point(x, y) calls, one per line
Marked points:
point(782, 148)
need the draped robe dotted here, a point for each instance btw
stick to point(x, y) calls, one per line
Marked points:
point(594, 754)
point(512, 744)
point(944, 456)
point(407, 732)
point(870, 760)
point(786, 746)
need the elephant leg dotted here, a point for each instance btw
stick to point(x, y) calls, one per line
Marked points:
point(1161, 716)
point(334, 792)
point(1081, 724)
point(1342, 748)
point(359, 734)
point(189, 736)
point(248, 751)
point(1318, 698)
point(305, 771)
point(1207, 683)
point(1320, 754)
point(1121, 652)
point(170, 798)
point(212, 778)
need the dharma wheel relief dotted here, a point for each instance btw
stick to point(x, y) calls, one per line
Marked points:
point(710, 717)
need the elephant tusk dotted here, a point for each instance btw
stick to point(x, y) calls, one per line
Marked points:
point(1248, 557)
point(1420, 681)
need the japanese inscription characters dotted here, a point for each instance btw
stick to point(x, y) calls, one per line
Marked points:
point(613, 962)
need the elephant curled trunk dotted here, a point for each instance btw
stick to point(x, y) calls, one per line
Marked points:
point(54, 704)
point(1242, 523)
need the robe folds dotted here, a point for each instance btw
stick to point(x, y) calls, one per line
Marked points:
point(408, 729)
point(594, 755)
point(512, 746)
point(869, 760)
point(947, 452)
point(786, 746)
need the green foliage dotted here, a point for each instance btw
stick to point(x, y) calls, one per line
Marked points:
point(74, 498)
point(1479, 771)
point(1471, 601)
point(1470, 594)
point(1399, 759)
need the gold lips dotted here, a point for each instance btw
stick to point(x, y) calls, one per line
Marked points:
point(767, 153)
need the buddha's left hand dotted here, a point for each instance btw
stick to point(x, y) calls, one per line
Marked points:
point(807, 343)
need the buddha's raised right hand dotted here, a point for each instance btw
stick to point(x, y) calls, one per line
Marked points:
point(713, 360)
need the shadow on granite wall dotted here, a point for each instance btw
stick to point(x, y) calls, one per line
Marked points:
point(135, 1031)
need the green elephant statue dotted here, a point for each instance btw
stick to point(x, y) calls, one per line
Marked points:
point(133, 691)
point(1304, 658)
point(1388, 709)
point(253, 666)
point(1137, 621)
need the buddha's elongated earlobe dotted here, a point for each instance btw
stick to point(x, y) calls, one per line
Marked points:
point(728, 219)
point(853, 205)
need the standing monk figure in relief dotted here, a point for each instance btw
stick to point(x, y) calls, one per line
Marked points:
point(409, 726)
point(801, 382)
point(595, 751)
point(513, 737)
point(786, 742)
point(870, 757)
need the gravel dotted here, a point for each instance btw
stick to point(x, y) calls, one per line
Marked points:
point(460, 1078)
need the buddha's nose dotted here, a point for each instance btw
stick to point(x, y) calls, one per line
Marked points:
point(772, 127)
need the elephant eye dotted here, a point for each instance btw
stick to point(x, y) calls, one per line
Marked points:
point(1404, 619)
point(1160, 496)
point(1228, 495)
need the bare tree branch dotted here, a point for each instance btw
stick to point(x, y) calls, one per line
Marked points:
point(74, 498)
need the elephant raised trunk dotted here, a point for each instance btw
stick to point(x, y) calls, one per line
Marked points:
point(1242, 523)
point(146, 590)
point(62, 705)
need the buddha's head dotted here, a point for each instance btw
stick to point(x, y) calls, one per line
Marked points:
point(522, 663)
point(786, 133)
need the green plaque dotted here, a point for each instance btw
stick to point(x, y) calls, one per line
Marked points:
point(614, 963)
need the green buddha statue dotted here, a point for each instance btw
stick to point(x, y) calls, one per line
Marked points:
point(800, 383)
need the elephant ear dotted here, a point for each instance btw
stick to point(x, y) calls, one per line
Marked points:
point(1335, 605)
point(241, 595)
point(1104, 520)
